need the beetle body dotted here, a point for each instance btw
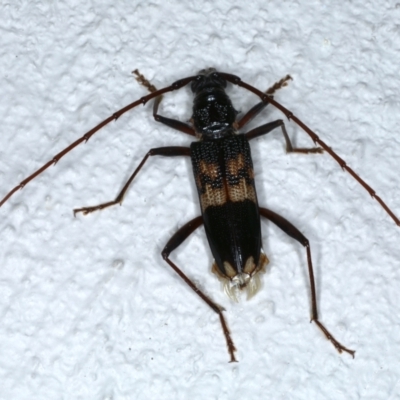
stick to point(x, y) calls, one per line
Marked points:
point(223, 171)
point(224, 178)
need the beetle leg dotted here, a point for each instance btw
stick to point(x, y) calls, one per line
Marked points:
point(172, 123)
point(293, 232)
point(260, 106)
point(177, 239)
point(255, 110)
point(170, 151)
point(266, 128)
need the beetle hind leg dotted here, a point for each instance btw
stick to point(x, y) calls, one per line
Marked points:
point(293, 232)
point(177, 239)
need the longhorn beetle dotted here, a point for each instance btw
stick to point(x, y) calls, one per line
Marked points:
point(224, 177)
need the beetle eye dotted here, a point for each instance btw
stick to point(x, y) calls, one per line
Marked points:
point(196, 82)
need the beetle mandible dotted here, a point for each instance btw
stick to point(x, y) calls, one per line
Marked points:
point(224, 177)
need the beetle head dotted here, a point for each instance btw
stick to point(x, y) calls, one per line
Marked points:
point(208, 78)
point(213, 113)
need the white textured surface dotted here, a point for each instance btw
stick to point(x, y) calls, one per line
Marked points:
point(88, 309)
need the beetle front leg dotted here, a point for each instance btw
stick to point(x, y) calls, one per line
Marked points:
point(255, 110)
point(171, 151)
point(172, 123)
point(179, 237)
point(293, 232)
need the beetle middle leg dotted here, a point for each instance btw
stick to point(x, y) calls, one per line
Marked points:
point(177, 239)
point(270, 126)
point(170, 151)
point(293, 232)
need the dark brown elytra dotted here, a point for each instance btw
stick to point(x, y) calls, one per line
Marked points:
point(224, 176)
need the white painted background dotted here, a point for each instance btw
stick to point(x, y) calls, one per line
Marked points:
point(88, 308)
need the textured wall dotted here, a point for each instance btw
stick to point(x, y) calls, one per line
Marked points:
point(88, 309)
